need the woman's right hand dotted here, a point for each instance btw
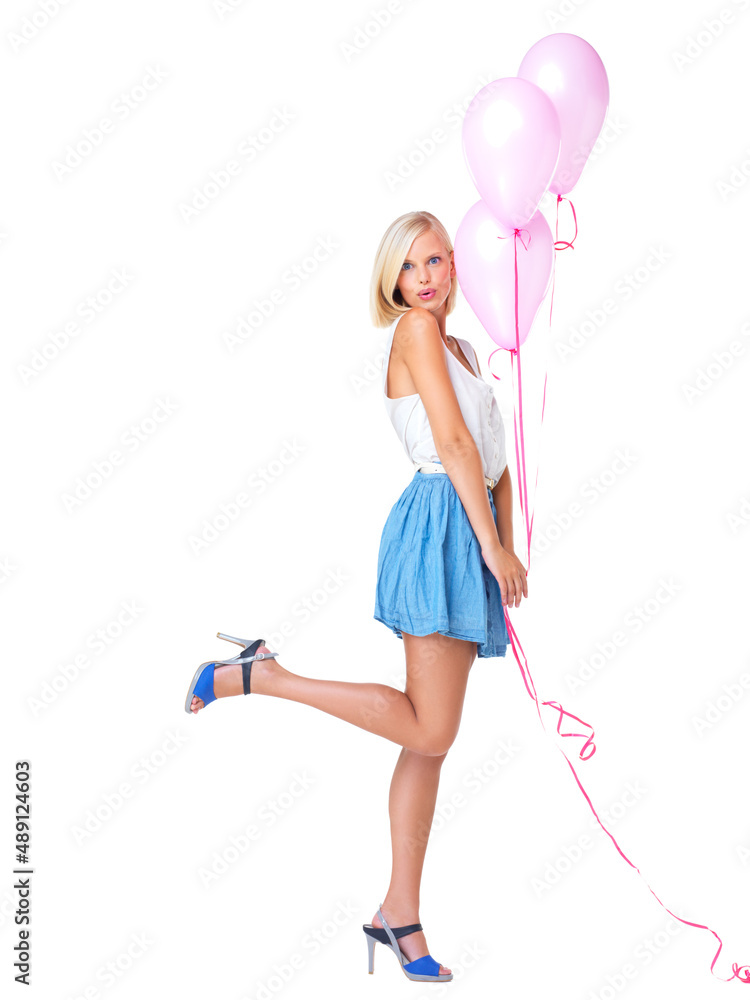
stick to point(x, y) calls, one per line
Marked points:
point(509, 572)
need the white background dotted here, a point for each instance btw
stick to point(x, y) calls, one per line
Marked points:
point(309, 375)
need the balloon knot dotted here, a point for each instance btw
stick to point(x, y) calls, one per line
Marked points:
point(517, 232)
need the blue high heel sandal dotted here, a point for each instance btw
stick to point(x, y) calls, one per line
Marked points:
point(424, 969)
point(202, 684)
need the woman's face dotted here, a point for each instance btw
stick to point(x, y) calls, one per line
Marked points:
point(426, 268)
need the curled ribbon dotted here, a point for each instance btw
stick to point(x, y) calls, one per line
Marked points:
point(740, 972)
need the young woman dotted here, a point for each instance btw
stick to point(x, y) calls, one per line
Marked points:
point(446, 566)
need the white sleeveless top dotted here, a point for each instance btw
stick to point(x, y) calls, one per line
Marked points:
point(478, 407)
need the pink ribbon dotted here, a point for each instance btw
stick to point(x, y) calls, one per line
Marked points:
point(742, 973)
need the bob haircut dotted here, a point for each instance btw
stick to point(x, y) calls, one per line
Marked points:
point(386, 303)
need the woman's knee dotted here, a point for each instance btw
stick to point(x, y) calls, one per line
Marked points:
point(437, 669)
point(436, 745)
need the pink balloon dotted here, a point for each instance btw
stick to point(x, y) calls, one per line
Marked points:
point(485, 271)
point(511, 142)
point(571, 73)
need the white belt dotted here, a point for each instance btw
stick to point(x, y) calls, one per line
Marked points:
point(437, 467)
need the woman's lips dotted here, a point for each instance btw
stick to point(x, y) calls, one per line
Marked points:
point(427, 295)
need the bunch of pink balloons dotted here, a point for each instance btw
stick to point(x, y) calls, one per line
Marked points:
point(522, 136)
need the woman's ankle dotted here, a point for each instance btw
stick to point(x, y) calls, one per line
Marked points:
point(404, 908)
point(266, 675)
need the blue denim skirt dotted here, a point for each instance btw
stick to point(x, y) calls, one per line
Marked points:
point(431, 574)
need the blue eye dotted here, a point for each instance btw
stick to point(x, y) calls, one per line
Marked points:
point(407, 264)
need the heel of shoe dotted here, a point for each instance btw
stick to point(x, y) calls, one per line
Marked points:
point(245, 643)
point(231, 638)
point(371, 942)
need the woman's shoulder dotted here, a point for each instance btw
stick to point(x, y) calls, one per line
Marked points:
point(416, 320)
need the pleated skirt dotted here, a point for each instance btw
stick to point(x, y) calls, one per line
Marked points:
point(431, 576)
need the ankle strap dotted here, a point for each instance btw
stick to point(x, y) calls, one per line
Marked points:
point(247, 663)
point(407, 929)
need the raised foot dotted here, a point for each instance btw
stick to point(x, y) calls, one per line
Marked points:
point(228, 680)
point(414, 945)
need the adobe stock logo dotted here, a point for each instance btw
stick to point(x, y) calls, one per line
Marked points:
point(68, 672)
point(721, 362)
point(33, 23)
point(741, 518)
point(608, 647)
point(119, 110)
point(370, 29)
point(222, 8)
point(222, 177)
point(110, 802)
point(706, 35)
point(732, 693)
point(129, 442)
point(88, 309)
point(625, 288)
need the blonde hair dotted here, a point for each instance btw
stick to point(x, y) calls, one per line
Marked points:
point(386, 302)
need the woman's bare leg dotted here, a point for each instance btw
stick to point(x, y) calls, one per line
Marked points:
point(414, 789)
point(423, 720)
point(428, 727)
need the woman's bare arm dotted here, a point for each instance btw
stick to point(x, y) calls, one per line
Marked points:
point(502, 494)
point(422, 350)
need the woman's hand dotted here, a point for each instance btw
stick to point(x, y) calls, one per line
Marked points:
point(509, 572)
